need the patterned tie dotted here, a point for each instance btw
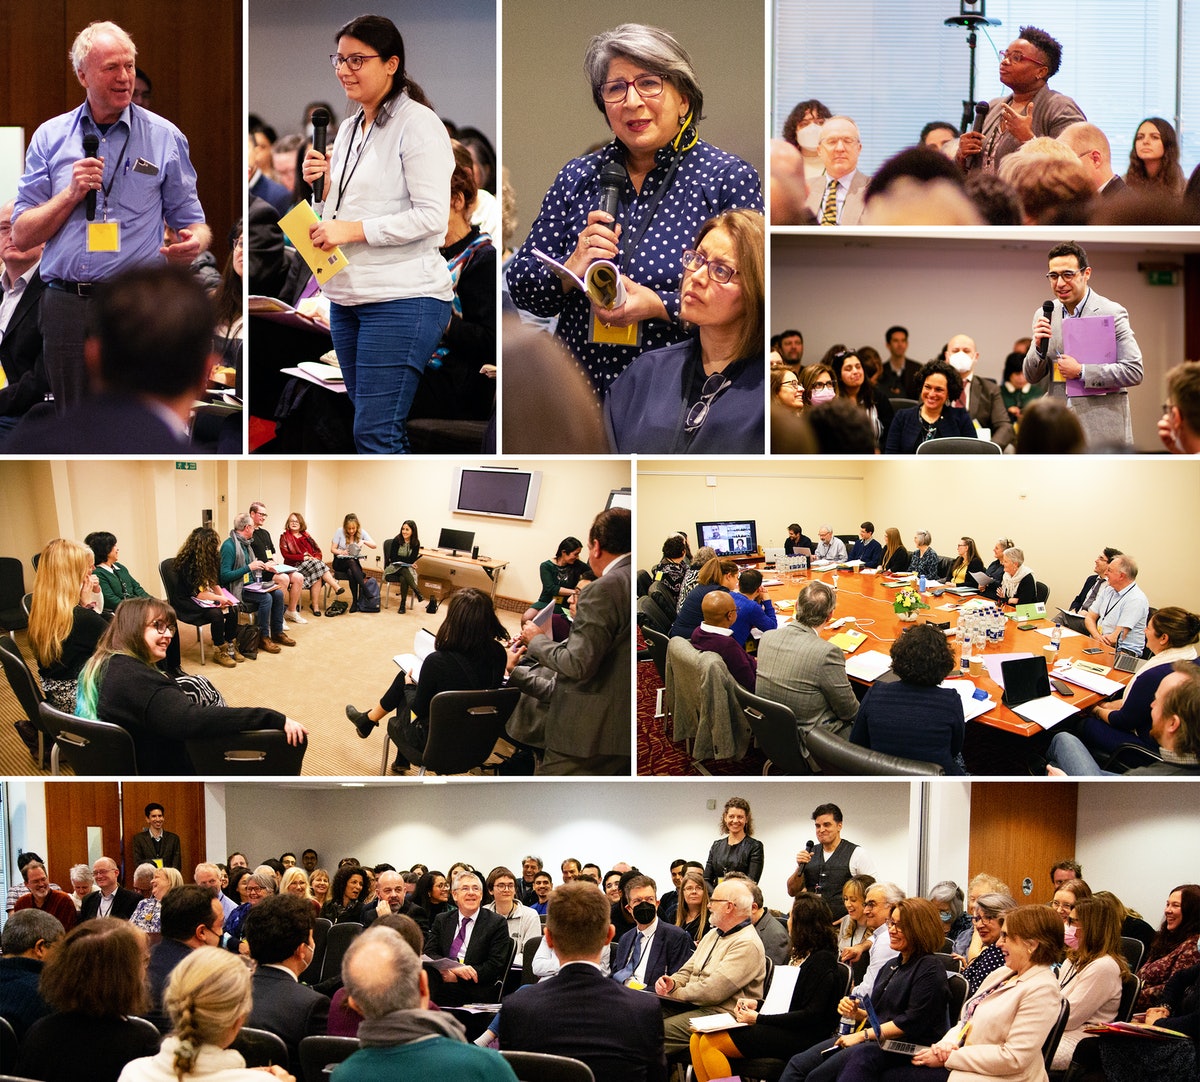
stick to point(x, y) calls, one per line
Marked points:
point(829, 214)
point(630, 967)
point(456, 944)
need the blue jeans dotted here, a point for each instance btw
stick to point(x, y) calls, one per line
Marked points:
point(270, 610)
point(382, 349)
point(1068, 752)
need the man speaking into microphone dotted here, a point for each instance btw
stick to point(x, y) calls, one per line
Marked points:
point(1094, 373)
point(102, 212)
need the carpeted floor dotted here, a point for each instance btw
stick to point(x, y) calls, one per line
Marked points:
point(339, 660)
point(658, 755)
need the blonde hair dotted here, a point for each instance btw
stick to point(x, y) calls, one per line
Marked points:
point(290, 876)
point(173, 876)
point(206, 998)
point(61, 570)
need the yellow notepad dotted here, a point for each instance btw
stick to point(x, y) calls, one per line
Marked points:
point(848, 640)
point(296, 223)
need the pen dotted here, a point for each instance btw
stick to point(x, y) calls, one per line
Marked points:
point(126, 173)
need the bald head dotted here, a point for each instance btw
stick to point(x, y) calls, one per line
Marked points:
point(961, 353)
point(718, 608)
point(1092, 149)
point(382, 973)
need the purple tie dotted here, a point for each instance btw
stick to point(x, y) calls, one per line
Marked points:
point(456, 944)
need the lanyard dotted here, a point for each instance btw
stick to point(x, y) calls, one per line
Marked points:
point(116, 167)
point(1116, 601)
point(362, 147)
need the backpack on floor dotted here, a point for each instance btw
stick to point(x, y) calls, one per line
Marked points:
point(368, 596)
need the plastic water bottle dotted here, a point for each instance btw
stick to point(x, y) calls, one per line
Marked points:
point(964, 664)
point(1055, 638)
point(835, 580)
point(846, 1025)
point(921, 583)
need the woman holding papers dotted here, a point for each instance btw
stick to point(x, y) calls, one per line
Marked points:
point(198, 573)
point(662, 183)
point(407, 552)
point(1171, 635)
point(386, 188)
point(811, 1010)
point(467, 656)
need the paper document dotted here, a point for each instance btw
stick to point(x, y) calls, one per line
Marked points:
point(296, 223)
point(972, 707)
point(779, 998)
point(1047, 711)
point(422, 648)
point(715, 1023)
point(869, 666)
point(1101, 685)
point(848, 640)
point(1067, 633)
point(1090, 340)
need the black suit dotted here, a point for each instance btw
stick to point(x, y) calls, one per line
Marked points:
point(488, 951)
point(124, 903)
point(669, 949)
point(287, 1008)
point(1115, 186)
point(103, 424)
point(21, 354)
point(165, 955)
point(581, 1013)
point(168, 850)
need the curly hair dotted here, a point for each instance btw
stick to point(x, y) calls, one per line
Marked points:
point(941, 368)
point(198, 561)
point(62, 568)
point(922, 656)
point(1050, 47)
point(794, 118)
point(341, 881)
point(742, 804)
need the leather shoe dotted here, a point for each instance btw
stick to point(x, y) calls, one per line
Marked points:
point(362, 723)
point(269, 646)
point(284, 639)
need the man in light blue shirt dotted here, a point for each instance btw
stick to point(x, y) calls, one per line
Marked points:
point(1117, 618)
point(140, 177)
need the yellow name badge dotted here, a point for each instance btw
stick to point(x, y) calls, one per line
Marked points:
point(104, 236)
point(246, 577)
point(1058, 376)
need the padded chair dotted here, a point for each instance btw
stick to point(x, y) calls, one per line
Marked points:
point(319, 1055)
point(835, 755)
point(699, 696)
point(170, 581)
point(644, 578)
point(949, 962)
point(527, 952)
point(774, 729)
point(394, 579)
point(1133, 949)
point(92, 748)
point(29, 695)
point(652, 614)
point(1041, 591)
point(663, 597)
point(1131, 988)
point(12, 587)
point(944, 563)
point(8, 1045)
point(440, 435)
point(463, 729)
point(899, 404)
point(261, 1048)
point(312, 974)
point(956, 993)
point(337, 942)
point(250, 753)
point(502, 980)
point(1050, 1044)
point(958, 445)
point(656, 644)
point(543, 1067)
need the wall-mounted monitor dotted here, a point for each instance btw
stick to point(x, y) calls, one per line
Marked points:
point(734, 537)
point(496, 491)
point(620, 497)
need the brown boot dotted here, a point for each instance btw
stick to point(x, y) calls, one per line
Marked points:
point(284, 639)
point(269, 646)
point(223, 655)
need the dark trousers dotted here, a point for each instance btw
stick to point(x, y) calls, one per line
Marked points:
point(63, 318)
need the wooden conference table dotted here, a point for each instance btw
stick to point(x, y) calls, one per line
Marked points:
point(869, 601)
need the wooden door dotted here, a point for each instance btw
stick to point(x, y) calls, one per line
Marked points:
point(83, 823)
point(183, 802)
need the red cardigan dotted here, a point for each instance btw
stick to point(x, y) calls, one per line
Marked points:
point(296, 548)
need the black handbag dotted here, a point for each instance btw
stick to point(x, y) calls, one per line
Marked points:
point(248, 640)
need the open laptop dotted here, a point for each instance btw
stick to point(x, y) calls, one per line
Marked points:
point(905, 1048)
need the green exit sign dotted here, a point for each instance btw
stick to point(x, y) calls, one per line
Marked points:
point(185, 465)
point(1162, 278)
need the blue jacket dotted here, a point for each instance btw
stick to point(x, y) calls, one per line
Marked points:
point(907, 431)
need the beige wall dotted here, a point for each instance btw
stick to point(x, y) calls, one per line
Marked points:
point(1058, 511)
point(151, 506)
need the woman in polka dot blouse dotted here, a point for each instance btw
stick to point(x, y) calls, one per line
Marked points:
point(643, 82)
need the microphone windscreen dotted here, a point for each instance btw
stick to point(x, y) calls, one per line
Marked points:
point(810, 846)
point(91, 144)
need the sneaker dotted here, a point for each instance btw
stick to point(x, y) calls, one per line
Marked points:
point(293, 617)
point(284, 639)
point(269, 646)
point(362, 723)
point(222, 658)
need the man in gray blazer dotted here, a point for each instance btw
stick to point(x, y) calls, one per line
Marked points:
point(839, 149)
point(798, 668)
point(1104, 412)
point(585, 713)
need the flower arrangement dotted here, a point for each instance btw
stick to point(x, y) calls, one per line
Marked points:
point(907, 602)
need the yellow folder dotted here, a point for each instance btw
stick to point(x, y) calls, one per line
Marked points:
point(296, 223)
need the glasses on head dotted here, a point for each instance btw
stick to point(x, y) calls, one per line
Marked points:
point(161, 627)
point(353, 62)
point(719, 272)
point(1014, 57)
point(1066, 276)
point(698, 414)
point(615, 91)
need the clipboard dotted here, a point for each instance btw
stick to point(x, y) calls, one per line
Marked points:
point(295, 224)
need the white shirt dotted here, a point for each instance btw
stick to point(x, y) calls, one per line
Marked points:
point(11, 295)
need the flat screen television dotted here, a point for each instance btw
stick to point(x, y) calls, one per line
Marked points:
point(496, 491)
point(620, 497)
point(734, 537)
point(456, 540)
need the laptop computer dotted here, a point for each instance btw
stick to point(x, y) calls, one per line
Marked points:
point(774, 555)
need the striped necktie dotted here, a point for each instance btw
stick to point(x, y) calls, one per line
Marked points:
point(829, 213)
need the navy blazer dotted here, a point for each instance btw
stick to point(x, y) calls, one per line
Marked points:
point(908, 430)
point(106, 423)
point(488, 951)
point(580, 1013)
point(669, 949)
point(287, 1008)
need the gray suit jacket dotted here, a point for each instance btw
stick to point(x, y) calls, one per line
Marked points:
point(798, 668)
point(1105, 418)
point(856, 200)
point(987, 408)
point(588, 711)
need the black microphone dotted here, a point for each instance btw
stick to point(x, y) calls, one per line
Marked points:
point(981, 111)
point(91, 145)
point(320, 123)
point(612, 180)
point(809, 846)
point(1042, 343)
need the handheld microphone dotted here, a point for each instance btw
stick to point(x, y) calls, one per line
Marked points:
point(320, 123)
point(91, 145)
point(1042, 343)
point(810, 846)
point(612, 180)
point(981, 111)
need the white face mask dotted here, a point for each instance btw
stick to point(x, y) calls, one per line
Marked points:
point(961, 361)
point(824, 394)
point(809, 137)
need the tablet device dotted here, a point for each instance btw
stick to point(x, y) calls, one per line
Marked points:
point(1025, 678)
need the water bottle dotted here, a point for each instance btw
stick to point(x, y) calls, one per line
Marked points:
point(1055, 638)
point(835, 580)
point(921, 583)
point(964, 665)
point(846, 1025)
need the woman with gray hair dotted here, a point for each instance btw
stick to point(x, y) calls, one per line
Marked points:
point(667, 184)
point(924, 560)
point(1018, 587)
point(948, 897)
point(255, 887)
point(987, 914)
point(82, 884)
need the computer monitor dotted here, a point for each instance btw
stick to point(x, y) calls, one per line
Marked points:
point(456, 540)
point(734, 537)
point(498, 491)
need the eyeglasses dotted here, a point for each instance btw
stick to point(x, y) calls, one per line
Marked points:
point(1062, 907)
point(981, 919)
point(256, 889)
point(716, 901)
point(698, 414)
point(894, 924)
point(353, 62)
point(1013, 57)
point(840, 141)
point(822, 384)
point(719, 272)
point(870, 905)
point(796, 383)
point(1066, 276)
point(615, 92)
point(161, 627)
